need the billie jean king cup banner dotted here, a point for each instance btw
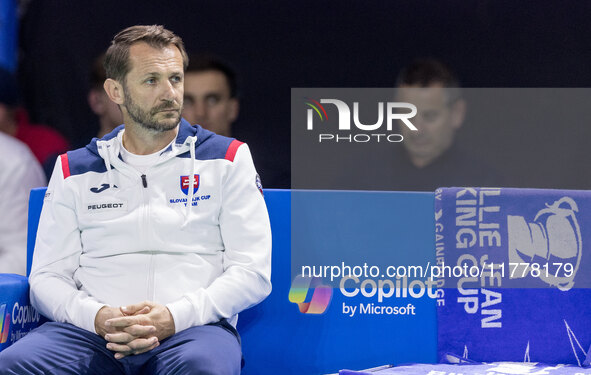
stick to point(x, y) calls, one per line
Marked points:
point(517, 274)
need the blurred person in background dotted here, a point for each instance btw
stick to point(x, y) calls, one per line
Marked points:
point(431, 157)
point(45, 142)
point(19, 173)
point(108, 113)
point(211, 97)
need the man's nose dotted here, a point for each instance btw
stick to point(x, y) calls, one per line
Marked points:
point(169, 92)
point(200, 110)
point(421, 123)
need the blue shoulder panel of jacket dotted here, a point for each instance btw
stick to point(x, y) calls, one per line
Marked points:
point(209, 146)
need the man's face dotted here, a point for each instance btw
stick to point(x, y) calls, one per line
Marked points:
point(208, 102)
point(153, 88)
point(437, 122)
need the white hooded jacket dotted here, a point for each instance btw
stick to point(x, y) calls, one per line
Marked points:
point(110, 235)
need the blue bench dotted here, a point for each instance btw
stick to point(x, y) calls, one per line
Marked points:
point(277, 337)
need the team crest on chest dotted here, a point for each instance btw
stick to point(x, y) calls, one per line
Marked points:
point(185, 184)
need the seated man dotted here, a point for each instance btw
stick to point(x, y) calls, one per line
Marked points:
point(157, 211)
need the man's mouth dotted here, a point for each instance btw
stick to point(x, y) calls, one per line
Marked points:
point(420, 142)
point(168, 110)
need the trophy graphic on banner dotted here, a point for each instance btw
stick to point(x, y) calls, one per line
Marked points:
point(551, 243)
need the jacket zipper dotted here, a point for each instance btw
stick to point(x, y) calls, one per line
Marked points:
point(151, 288)
point(146, 223)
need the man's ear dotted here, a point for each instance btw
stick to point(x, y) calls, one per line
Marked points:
point(234, 109)
point(114, 90)
point(458, 113)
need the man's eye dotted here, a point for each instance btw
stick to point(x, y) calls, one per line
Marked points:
point(189, 100)
point(430, 116)
point(150, 81)
point(212, 100)
point(176, 79)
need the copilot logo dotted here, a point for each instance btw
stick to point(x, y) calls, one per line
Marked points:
point(4, 324)
point(387, 112)
point(320, 295)
point(20, 316)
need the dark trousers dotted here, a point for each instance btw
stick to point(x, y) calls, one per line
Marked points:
point(61, 348)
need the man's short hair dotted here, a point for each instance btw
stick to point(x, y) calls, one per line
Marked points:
point(117, 56)
point(425, 72)
point(207, 62)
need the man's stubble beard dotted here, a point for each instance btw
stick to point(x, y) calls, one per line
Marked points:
point(146, 119)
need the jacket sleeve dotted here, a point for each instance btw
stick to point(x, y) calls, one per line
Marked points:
point(246, 232)
point(56, 258)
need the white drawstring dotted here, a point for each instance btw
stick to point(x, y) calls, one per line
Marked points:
point(107, 160)
point(191, 182)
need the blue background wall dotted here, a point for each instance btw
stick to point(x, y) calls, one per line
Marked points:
point(278, 338)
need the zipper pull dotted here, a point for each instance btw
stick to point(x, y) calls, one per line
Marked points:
point(144, 181)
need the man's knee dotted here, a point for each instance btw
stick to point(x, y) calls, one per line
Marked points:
point(14, 361)
point(205, 350)
point(60, 348)
point(203, 363)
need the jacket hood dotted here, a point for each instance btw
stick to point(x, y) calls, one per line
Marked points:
point(185, 131)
